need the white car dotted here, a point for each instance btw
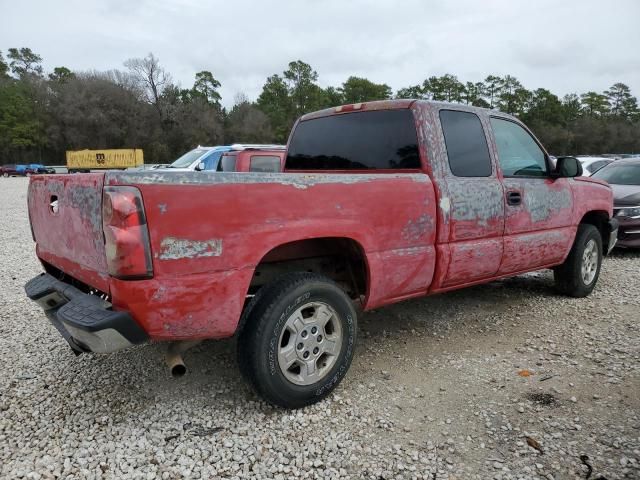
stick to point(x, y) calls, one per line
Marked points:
point(591, 165)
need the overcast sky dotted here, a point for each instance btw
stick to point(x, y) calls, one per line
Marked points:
point(563, 45)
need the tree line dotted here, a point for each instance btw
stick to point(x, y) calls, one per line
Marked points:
point(43, 114)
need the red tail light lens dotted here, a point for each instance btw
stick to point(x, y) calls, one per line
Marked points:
point(126, 237)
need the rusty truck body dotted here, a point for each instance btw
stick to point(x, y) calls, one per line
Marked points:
point(379, 202)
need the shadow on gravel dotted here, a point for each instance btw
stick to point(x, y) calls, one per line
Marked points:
point(447, 310)
point(625, 253)
point(133, 381)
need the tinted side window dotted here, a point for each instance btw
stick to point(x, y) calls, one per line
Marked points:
point(518, 153)
point(382, 139)
point(264, 163)
point(227, 163)
point(467, 147)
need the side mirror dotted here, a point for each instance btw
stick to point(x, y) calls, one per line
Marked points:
point(200, 167)
point(567, 167)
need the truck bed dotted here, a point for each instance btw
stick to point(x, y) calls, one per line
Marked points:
point(208, 231)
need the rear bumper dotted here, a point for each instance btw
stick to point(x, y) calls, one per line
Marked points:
point(85, 321)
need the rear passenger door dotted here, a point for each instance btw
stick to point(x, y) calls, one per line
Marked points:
point(538, 208)
point(474, 201)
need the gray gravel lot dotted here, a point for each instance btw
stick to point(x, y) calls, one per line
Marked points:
point(438, 390)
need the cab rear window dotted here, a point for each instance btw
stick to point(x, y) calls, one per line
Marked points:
point(379, 140)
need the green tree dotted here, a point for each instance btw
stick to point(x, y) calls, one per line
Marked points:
point(571, 107)
point(595, 104)
point(414, 91)
point(207, 86)
point(333, 97)
point(513, 97)
point(61, 75)
point(622, 103)
point(19, 127)
point(358, 90)
point(493, 87)
point(247, 124)
point(305, 94)
point(24, 62)
point(473, 94)
point(4, 67)
point(276, 104)
point(446, 88)
point(544, 107)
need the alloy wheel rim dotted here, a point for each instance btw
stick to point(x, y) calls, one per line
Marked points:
point(589, 265)
point(310, 343)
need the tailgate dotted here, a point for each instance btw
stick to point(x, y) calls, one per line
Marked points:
point(66, 217)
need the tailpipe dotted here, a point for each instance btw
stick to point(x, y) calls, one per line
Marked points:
point(174, 356)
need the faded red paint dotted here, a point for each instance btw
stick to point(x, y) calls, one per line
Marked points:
point(422, 231)
point(72, 238)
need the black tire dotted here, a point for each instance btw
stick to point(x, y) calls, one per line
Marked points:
point(265, 320)
point(568, 276)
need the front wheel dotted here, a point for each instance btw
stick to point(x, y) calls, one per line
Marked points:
point(578, 275)
point(299, 339)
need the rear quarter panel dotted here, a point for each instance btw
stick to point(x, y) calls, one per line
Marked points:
point(209, 230)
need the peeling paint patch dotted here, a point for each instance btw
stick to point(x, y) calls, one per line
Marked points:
point(177, 248)
point(542, 202)
point(411, 251)
point(297, 180)
point(163, 208)
point(445, 204)
point(415, 229)
point(477, 201)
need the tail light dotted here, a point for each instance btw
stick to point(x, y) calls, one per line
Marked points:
point(126, 237)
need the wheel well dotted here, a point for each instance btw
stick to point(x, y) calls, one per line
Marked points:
point(341, 259)
point(599, 219)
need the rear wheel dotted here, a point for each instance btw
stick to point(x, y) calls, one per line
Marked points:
point(578, 275)
point(298, 340)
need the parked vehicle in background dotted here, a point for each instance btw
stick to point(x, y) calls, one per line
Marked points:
point(38, 168)
point(244, 158)
point(12, 170)
point(379, 202)
point(9, 170)
point(624, 178)
point(590, 165)
point(208, 158)
point(200, 158)
point(83, 161)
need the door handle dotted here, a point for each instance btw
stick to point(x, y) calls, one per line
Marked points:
point(514, 198)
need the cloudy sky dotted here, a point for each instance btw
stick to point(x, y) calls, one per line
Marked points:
point(564, 45)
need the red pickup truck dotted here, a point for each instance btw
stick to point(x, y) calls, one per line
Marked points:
point(379, 202)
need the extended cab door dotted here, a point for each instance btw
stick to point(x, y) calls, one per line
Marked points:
point(537, 230)
point(474, 202)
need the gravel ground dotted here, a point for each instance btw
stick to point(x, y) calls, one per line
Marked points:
point(459, 386)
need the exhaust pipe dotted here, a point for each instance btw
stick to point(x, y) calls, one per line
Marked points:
point(174, 356)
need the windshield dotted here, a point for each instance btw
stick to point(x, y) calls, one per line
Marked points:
point(188, 158)
point(625, 174)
